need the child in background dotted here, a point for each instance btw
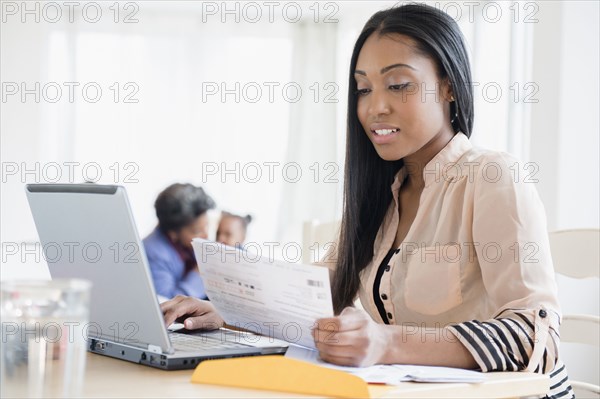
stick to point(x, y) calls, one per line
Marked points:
point(232, 229)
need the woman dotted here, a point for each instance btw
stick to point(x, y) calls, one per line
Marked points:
point(181, 211)
point(447, 252)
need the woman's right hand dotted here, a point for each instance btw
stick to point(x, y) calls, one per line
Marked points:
point(192, 312)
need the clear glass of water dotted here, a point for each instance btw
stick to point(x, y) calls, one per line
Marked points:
point(43, 347)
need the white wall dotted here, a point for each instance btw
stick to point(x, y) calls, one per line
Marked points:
point(565, 122)
point(20, 141)
point(579, 124)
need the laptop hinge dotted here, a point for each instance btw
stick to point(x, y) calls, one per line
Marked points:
point(155, 349)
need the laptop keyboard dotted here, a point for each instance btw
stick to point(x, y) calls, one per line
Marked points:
point(184, 342)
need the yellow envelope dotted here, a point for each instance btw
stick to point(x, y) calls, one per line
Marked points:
point(278, 373)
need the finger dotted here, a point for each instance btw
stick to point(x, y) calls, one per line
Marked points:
point(205, 322)
point(327, 323)
point(171, 303)
point(165, 305)
point(325, 330)
point(187, 307)
point(345, 338)
point(325, 336)
point(169, 317)
point(344, 322)
point(339, 360)
point(338, 350)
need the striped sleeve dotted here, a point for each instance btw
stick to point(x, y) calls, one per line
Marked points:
point(513, 341)
point(517, 340)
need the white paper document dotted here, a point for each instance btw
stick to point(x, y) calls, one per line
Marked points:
point(392, 374)
point(269, 297)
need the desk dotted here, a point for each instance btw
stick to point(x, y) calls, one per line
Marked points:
point(107, 377)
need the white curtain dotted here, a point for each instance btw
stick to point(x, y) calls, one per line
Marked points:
point(312, 141)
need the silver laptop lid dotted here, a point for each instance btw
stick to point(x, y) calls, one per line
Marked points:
point(88, 231)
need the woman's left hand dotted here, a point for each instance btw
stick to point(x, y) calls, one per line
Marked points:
point(351, 339)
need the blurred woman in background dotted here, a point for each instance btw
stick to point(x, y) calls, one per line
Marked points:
point(181, 211)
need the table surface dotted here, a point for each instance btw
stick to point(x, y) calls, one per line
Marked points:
point(108, 377)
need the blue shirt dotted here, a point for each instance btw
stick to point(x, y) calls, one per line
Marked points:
point(168, 269)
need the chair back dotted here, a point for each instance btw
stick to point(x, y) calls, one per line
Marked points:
point(315, 236)
point(575, 254)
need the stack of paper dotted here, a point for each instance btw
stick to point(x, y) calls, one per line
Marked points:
point(391, 374)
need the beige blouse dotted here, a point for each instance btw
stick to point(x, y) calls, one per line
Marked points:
point(475, 260)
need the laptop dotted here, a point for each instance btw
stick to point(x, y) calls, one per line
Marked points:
point(87, 231)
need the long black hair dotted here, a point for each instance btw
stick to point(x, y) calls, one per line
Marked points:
point(367, 177)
